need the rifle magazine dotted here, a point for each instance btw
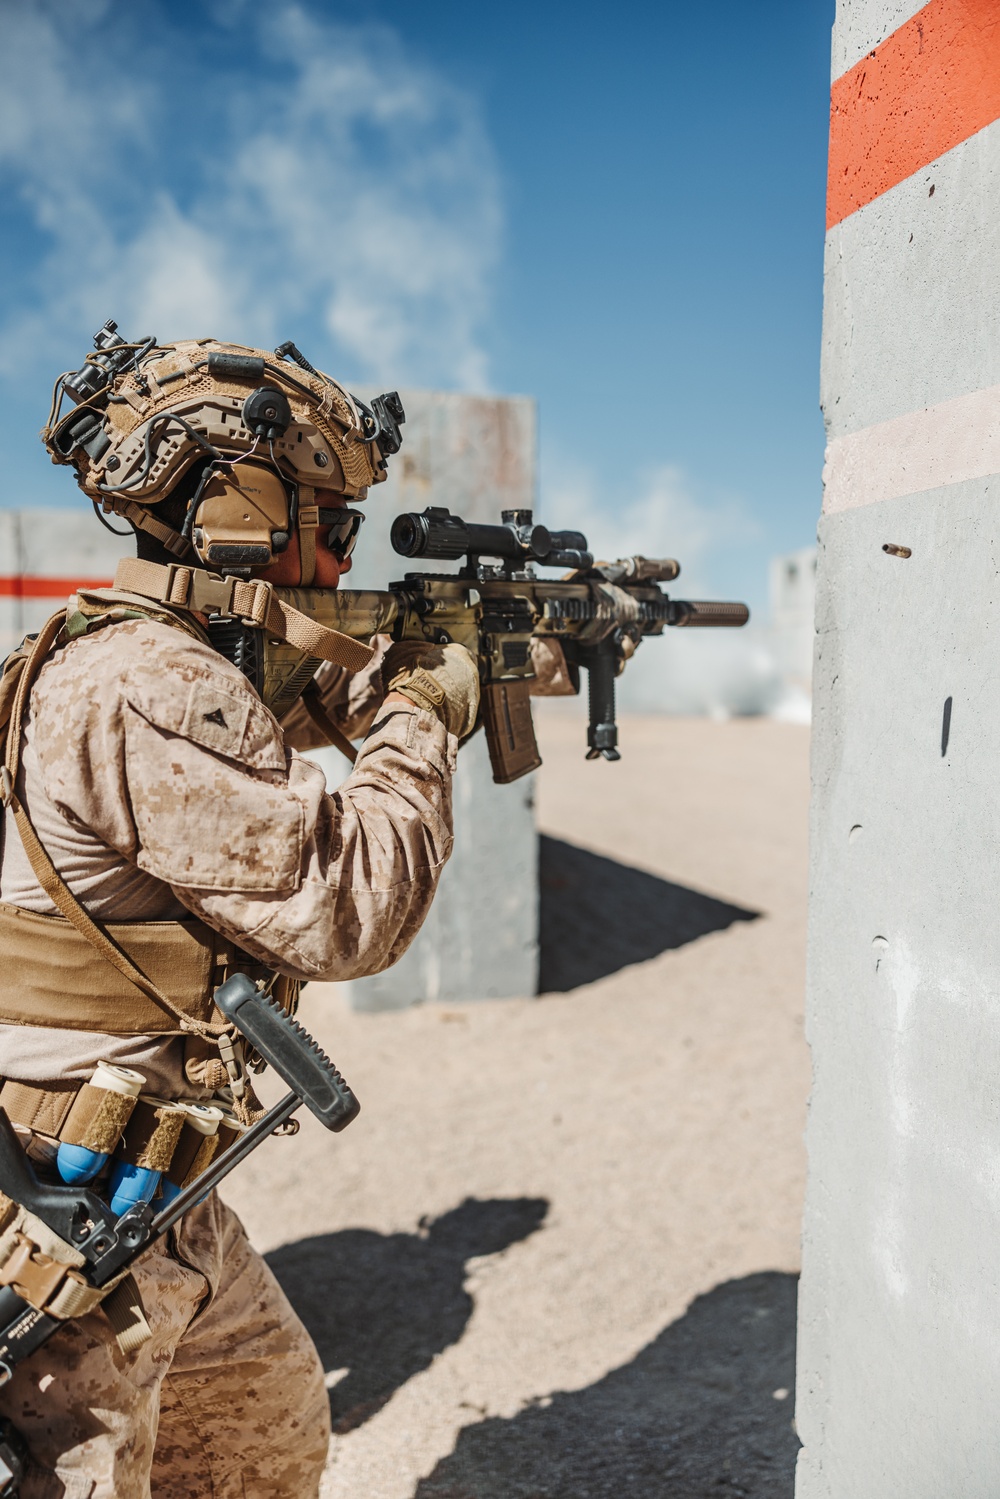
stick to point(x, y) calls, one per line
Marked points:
point(510, 732)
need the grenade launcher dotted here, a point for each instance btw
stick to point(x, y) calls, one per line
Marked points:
point(599, 612)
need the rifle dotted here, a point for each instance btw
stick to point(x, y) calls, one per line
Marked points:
point(599, 612)
point(109, 1244)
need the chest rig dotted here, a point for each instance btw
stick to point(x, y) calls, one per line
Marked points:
point(155, 977)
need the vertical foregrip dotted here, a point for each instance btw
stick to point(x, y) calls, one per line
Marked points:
point(602, 732)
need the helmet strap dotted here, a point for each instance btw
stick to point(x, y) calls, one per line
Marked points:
point(308, 520)
point(139, 517)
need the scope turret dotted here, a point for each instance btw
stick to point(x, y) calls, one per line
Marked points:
point(438, 534)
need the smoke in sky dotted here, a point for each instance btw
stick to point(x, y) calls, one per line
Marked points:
point(715, 672)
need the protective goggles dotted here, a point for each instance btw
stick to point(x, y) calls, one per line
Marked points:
point(344, 525)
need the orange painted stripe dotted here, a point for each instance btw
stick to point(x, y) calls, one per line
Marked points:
point(926, 88)
point(18, 587)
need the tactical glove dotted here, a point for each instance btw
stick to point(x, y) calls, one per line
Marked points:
point(554, 677)
point(442, 678)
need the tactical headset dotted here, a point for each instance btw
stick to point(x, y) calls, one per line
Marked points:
point(258, 437)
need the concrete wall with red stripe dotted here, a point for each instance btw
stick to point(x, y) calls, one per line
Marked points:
point(475, 455)
point(899, 1361)
point(44, 554)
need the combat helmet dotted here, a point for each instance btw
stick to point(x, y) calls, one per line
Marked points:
point(218, 455)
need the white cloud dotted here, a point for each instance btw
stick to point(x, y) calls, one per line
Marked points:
point(177, 275)
point(53, 112)
point(348, 198)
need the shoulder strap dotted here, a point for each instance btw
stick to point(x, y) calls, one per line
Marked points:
point(93, 608)
point(47, 875)
point(16, 663)
point(43, 643)
point(251, 600)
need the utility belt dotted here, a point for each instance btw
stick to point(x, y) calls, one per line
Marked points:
point(49, 978)
point(176, 1139)
point(127, 1146)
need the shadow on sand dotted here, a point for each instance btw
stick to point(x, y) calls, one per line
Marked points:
point(598, 916)
point(382, 1306)
point(693, 1415)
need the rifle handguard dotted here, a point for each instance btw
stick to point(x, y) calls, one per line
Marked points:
point(291, 1051)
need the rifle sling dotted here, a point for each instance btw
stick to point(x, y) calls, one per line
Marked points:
point(325, 724)
point(253, 601)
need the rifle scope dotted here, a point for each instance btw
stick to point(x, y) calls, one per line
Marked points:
point(436, 533)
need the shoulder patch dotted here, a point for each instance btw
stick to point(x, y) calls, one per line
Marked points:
point(215, 718)
point(207, 706)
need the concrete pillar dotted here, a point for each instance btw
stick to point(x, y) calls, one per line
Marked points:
point(899, 1358)
point(476, 456)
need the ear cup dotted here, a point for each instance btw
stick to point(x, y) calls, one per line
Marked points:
point(243, 517)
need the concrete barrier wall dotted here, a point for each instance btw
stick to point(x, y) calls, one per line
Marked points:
point(899, 1362)
point(476, 455)
point(43, 554)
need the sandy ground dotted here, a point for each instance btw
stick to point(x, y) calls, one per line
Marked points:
point(555, 1256)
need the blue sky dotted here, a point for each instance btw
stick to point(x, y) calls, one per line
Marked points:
point(616, 209)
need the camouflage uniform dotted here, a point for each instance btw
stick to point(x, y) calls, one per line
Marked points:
point(227, 1399)
point(160, 785)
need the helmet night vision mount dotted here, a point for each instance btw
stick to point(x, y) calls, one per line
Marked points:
point(252, 447)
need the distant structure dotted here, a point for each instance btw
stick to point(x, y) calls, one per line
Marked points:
point(792, 592)
point(475, 455)
point(44, 555)
point(899, 1359)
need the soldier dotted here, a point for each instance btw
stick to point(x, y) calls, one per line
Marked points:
point(161, 832)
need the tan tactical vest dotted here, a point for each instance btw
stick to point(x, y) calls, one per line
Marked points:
point(155, 977)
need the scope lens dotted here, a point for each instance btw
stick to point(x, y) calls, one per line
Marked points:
point(407, 535)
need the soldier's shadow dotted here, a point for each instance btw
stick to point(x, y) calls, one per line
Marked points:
point(381, 1306)
point(705, 1408)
